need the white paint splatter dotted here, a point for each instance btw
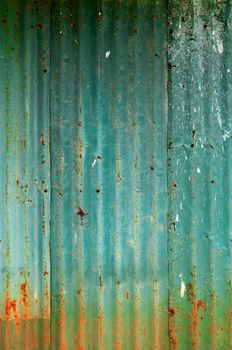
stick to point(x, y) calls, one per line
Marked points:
point(228, 70)
point(225, 136)
point(182, 286)
point(94, 163)
point(177, 217)
point(220, 46)
point(108, 54)
point(198, 170)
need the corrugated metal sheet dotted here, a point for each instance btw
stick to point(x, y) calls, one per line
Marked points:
point(115, 227)
point(25, 180)
point(108, 208)
point(199, 136)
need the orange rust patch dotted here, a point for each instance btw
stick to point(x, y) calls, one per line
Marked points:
point(174, 185)
point(196, 306)
point(45, 273)
point(41, 140)
point(62, 321)
point(81, 325)
point(46, 309)
point(201, 304)
point(25, 300)
point(171, 311)
point(11, 306)
point(119, 326)
point(100, 328)
point(172, 332)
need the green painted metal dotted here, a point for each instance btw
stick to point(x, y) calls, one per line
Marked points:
point(199, 136)
point(25, 180)
point(115, 227)
point(109, 175)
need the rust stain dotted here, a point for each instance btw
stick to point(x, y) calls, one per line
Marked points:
point(45, 273)
point(82, 215)
point(10, 306)
point(40, 25)
point(100, 329)
point(196, 306)
point(212, 327)
point(137, 324)
point(100, 17)
point(174, 185)
point(119, 326)
point(82, 322)
point(62, 321)
point(172, 331)
point(46, 310)
point(41, 140)
point(155, 17)
point(25, 300)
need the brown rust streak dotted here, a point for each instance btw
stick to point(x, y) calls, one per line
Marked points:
point(82, 322)
point(10, 306)
point(100, 329)
point(172, 332)
point(196, 306)
point(25, 300)
point(119, 326)
point(62, 321)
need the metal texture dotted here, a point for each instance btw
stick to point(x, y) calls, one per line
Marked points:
point(25, 180)
point(115, 224)
point(199, 171)
point(109, 175)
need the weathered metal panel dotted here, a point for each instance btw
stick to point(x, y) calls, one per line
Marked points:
point(109, 175)
point(115, 227)
point(200, 128)
point(25, 168)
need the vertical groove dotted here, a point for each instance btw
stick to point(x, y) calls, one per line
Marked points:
point(50, 170)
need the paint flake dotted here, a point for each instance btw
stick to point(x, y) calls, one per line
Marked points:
point(94, 163)
point(108, 54)
point(182, 286)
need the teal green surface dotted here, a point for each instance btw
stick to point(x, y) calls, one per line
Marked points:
point(199, 143)
point(25, 173)
point(108, 127)
point(115, 159)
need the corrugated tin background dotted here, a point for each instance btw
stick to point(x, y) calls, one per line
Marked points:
point(115, 224)
point(24, 175)
point(199, 171)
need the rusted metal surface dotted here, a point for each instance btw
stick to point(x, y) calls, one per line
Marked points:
point(25, 181)
point(115, 227)
point(199, 145)
point(108, 212)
